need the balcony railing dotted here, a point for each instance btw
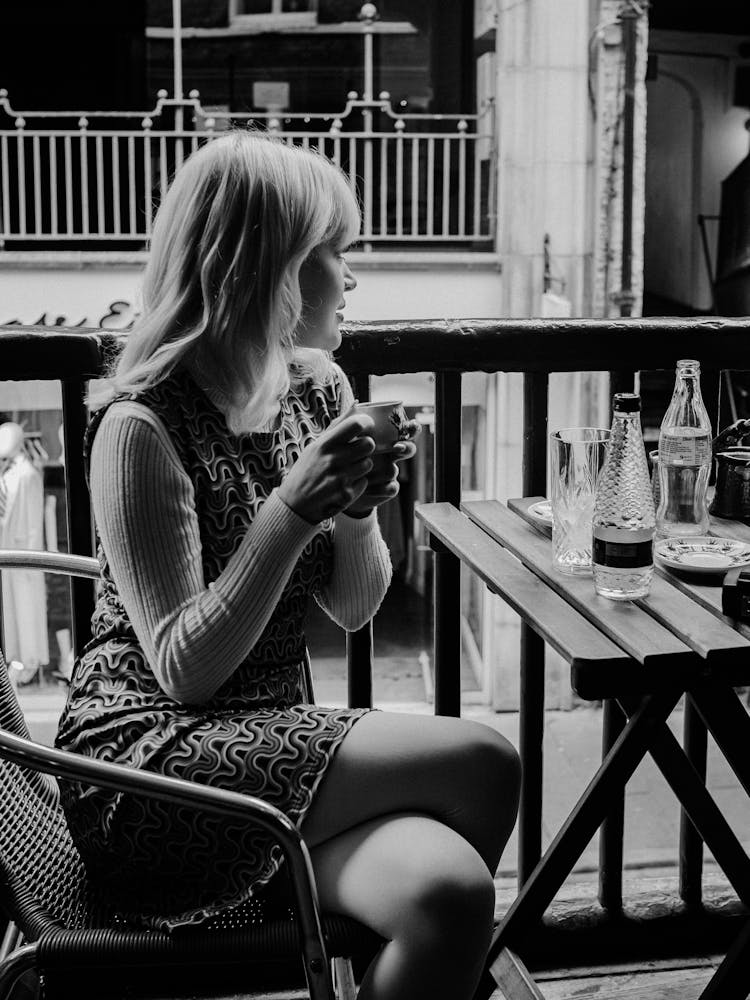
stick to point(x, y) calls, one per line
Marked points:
point(531, 347)
point(97, 178)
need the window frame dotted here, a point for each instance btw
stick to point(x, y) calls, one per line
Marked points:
point(276, 17)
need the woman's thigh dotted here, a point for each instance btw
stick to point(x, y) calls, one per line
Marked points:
point(460, 772)
point(404, 874)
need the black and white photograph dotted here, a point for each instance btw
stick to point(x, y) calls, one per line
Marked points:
point(375, 500)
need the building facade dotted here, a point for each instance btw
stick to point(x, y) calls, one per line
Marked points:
point(495, 148)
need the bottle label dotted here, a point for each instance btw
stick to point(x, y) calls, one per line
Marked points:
point(685, 446)
point(623, 555)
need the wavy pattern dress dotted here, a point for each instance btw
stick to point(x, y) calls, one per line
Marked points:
point(255, 734)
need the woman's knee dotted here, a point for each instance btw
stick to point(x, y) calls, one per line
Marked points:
point(446, 886)
point(459, 899)
point(494, 760)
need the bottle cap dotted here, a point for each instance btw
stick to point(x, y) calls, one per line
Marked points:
point(627, 402)
point(688, 366)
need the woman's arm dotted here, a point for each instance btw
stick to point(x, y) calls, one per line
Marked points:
point(361, 572)
point(193, 636)
point(361, 560)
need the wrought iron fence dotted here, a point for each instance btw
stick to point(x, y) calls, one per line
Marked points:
point(78, 177)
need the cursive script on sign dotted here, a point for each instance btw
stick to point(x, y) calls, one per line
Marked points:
point(120, 315)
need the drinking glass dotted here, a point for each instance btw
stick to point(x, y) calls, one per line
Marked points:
point(576, 459)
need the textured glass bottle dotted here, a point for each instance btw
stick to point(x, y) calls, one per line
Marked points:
point(684, 457)
point(623, 523)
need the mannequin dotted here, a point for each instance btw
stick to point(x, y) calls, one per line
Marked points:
point(21, 527)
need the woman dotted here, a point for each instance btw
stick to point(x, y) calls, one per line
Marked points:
point(231, 479)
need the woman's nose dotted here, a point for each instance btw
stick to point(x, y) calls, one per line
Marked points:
point(350, 282)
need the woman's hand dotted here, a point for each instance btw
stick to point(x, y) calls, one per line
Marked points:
point(382, 481)
point(331, 473)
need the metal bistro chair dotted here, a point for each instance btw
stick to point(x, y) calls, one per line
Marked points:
point(68, 934)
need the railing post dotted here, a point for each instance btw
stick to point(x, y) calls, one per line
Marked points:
point(695, 743)
point(359, 643)
point(359, 667)
point(611, 833)
point(78, 508)
point(531, 718)
point(447, 573)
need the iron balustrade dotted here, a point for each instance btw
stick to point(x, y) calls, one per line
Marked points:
point(98, 177)
point(449, 348)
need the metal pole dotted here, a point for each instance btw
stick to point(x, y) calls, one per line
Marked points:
point(177, 59)
point(622, 381)
point(368, 15)
point(629, 17)
point(177, 48)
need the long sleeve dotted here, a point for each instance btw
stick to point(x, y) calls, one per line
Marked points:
point(361, 572)
point(193, 636)
point(361, 561)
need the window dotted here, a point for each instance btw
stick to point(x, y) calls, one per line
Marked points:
point(275, 13)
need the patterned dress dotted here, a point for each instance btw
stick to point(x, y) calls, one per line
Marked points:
point(170, 865)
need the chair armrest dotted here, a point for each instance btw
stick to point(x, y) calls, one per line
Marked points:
point(76, 767)
point(52, 562)
point(64, 764)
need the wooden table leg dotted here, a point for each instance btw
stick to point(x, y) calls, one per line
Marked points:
point(731, 981)
point(578, 829)
point(729, 724)
point(695, 798)
point(514, 979)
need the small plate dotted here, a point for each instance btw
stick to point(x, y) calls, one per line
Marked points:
point(542, 511)
point(702, 554)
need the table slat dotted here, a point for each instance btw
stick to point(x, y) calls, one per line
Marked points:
point(672, 602)
point(707, 595)
point(659, 659)
point(575, 639)
point(628, 626)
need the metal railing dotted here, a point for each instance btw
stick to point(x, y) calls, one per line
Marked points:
point(98, 177)
point(533, 348)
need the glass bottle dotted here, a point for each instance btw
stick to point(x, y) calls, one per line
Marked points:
point(685, 456)
point(624, 522)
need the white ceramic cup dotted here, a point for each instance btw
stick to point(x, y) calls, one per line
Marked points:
point(390, 418)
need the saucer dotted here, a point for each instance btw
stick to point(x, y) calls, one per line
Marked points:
point(541, 511)
point(702, 554)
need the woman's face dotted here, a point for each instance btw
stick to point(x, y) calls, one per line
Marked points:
point(323, 279)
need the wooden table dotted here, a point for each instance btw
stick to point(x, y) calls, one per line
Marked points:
point(642, 656)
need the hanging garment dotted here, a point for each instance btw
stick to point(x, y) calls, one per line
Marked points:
point(24, 592)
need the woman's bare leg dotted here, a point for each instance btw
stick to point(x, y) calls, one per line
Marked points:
point(424, 889)
point(462, 773)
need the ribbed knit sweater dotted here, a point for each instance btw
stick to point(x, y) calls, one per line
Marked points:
point(195, 636)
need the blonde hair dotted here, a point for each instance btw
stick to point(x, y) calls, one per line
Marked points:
point(221, 286)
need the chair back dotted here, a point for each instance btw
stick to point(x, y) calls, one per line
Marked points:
point(42, 878)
